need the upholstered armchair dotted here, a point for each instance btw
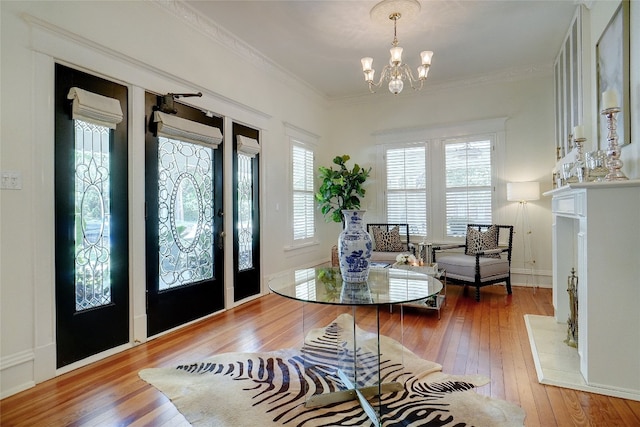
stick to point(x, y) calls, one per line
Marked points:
point(486, 259)
point(389, 240)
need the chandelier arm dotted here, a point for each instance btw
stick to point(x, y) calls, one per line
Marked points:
point(384, 76)
point(417, 88)
point(406, 71)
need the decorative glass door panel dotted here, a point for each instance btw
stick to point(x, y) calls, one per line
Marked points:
point(245, 212)
point(184, 194)
point(92, 214)
point(185, 213)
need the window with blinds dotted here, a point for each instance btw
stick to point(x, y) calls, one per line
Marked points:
point(468, 184)
point(303, 193)
point(407, 187)
point(446, 183)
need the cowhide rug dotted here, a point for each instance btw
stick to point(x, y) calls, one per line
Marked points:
point(269, 389)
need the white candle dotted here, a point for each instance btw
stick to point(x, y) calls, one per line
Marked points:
point(609, 99)
point(578, 132)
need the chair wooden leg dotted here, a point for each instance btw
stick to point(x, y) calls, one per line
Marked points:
point(477, 293)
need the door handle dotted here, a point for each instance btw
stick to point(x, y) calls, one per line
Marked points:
point(221, 240)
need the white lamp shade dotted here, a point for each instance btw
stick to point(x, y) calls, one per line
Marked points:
point(426, 57)
point(368, 75)
point(523, 191)
point(367, 63)
point(396, 54)
point(423, 72)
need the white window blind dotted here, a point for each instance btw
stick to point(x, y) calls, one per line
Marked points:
point(468, 184)
point(174, 127)
point(303, 193)
point(248, 146)
point(407, 187)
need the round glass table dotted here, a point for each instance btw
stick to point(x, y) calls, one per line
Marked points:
point(385, 286)
point(324, 285)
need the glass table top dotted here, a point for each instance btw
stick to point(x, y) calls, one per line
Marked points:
point(324, 285)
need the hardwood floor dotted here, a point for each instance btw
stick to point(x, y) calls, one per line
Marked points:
point(487, 338)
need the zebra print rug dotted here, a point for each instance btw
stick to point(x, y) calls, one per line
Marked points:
point(269, 389)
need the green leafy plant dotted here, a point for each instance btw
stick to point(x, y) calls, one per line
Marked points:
point(341, 188)
point(332, 281)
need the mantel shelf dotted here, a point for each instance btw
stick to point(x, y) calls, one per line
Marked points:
point(593, 185)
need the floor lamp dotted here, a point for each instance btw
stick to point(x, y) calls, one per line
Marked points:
point(523, 192)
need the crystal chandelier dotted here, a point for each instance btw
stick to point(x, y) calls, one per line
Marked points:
point(396, 72)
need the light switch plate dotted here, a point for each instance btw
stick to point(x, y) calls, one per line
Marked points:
point(11, 180)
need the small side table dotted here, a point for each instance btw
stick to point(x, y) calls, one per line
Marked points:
point(435, 302)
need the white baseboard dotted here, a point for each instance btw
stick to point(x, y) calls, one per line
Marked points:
point(527, 277)
point(16, 371)
point(140, 329)
point(44, 367)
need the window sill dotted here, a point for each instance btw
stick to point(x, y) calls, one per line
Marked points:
point(297, 246)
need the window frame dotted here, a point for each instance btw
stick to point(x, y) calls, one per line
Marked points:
point(434, 139)
point(406, 190)
point(464, 140)
point(300, 138)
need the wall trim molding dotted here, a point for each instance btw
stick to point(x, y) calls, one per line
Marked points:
point(446, 130)
point(51, 40)
point(292, 130)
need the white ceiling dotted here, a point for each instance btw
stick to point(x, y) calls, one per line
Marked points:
point(321, 42)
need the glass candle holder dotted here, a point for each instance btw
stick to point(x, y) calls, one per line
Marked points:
point(597, 165)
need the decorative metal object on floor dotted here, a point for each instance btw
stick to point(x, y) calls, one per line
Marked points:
point(572, 322)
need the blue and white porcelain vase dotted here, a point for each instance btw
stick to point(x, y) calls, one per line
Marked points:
point(354, 248)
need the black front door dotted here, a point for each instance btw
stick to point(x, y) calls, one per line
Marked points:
point(184, 250)
point(91, 223)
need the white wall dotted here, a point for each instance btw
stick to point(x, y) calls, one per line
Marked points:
point(145, 46)
point(526, 102)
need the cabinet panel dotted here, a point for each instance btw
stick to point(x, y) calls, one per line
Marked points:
point(568, 86)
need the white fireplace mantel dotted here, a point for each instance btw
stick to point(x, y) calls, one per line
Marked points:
point(596, 230)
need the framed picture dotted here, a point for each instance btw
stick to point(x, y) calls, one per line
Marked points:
point(612, 56)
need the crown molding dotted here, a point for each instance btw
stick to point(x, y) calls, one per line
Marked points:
point(507, 75)
point(231, 42)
